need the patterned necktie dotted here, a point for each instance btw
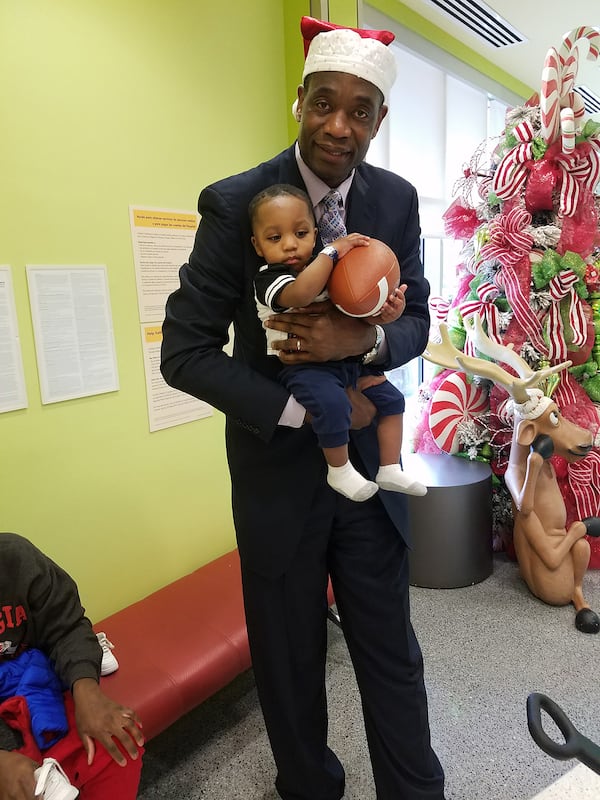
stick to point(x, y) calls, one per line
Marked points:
point(331, 224)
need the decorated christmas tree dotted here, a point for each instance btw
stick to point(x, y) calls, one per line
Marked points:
point(527, 214)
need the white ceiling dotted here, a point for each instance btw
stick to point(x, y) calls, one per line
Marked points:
point(542, 24)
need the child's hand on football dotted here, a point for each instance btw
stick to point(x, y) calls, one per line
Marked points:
point(347, 243)
point(393, 307)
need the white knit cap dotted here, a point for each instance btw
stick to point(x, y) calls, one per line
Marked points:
point(363, 53)
point(534, 407)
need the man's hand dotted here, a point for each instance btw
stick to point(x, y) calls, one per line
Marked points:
point(363, 410)
point(319, 332)
point(17, 781)
point(100, 718)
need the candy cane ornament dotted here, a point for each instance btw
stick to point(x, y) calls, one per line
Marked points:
point(558, 81)
point(550, 97)
point(568, 55)
point(567, 129)
point(570, 40)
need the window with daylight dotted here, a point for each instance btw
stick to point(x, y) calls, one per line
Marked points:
point(441, 111)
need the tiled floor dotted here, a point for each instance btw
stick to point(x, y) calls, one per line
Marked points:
point(485, 647)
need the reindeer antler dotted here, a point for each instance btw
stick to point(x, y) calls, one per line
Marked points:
point(448, 356)
point(499, 352)
point(506, 354)
point(444, 354)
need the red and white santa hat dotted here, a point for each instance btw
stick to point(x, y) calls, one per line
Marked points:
point(360, 52)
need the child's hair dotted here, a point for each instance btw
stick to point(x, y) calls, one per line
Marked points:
point(278, 190)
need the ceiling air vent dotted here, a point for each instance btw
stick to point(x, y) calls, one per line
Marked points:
point(590, 99)
point(482, 20)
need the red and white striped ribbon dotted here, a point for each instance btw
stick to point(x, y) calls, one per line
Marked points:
point(508, 241)
point(584, 480)
point(560, 286)
point(523, 131)
point(521, 307)
point(486, 309)
point(565, 394)
point(512, 171)
point(580, 169)
point(584, 475)
point(439, 308)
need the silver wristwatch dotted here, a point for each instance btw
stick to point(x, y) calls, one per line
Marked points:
point(372, 354)
point(329, 250)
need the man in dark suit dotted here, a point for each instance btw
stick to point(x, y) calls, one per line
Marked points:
point(294, 531)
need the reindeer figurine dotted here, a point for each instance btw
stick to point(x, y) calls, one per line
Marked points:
point(552, 559)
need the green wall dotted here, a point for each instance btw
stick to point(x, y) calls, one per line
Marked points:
point(106, 104)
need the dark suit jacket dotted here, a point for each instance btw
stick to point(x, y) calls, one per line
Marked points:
point(275, 471)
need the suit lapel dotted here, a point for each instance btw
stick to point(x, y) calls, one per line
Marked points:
point(360, 216)
point(288, 169)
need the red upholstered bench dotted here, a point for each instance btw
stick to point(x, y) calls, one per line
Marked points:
point(179, 645)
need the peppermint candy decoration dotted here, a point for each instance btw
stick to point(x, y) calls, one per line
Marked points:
point(454, 401)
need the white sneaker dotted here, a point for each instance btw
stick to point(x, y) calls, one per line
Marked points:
point(109, 662)
point(52, 783)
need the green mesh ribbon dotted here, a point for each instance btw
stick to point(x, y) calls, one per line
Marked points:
point(551, 264)
point(584, 371)
point(592, 388)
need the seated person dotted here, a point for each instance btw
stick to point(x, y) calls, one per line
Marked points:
point(284, 234)
point(95, 741)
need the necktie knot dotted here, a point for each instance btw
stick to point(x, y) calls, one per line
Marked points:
point(331, 224)
point(332, 201)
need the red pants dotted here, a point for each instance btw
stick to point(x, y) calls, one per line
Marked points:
point(102, 779)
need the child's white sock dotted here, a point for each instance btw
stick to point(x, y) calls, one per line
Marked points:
point(392, 478)
point(347, 481)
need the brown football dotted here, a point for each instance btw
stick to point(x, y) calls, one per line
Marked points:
point(363, 279)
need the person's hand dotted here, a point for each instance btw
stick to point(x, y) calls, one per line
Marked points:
point(101, 719)
point(392, 308)
point(319, 332)
point(363, 410)
point(17, 780)
point(368, 380)
point(347, 243)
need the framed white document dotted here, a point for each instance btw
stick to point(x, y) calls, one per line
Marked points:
point(13, 394)
point(73, 331)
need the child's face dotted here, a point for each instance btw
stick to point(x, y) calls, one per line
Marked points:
point(284, 231)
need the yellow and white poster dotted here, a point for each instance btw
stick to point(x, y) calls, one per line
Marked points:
point(162, 241)
point(166, 406)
